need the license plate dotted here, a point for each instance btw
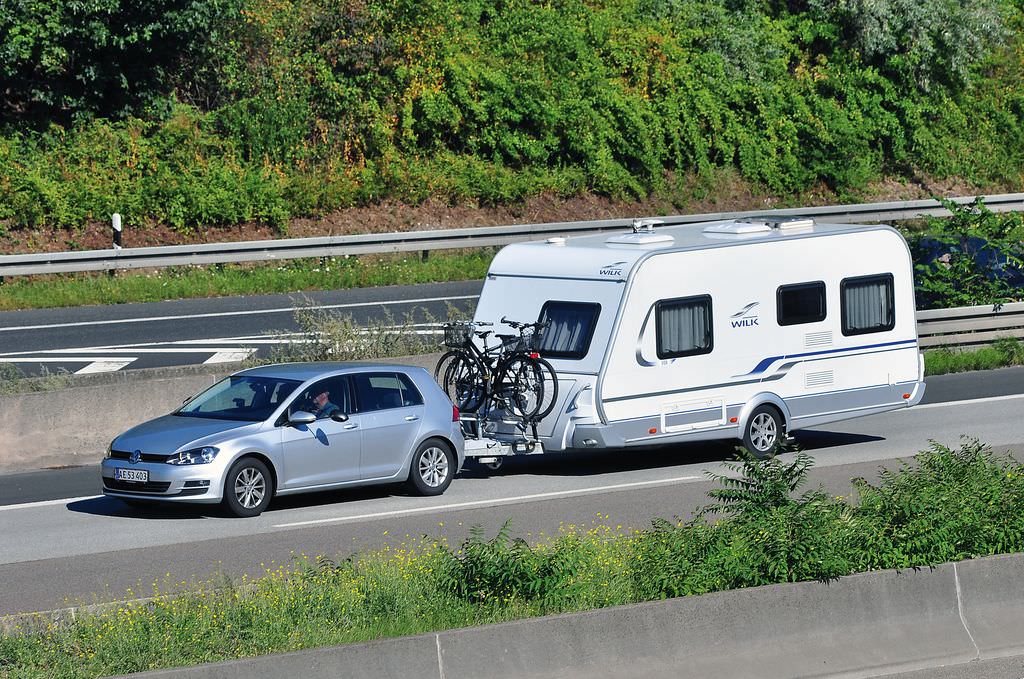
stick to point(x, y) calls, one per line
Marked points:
point(133, 475)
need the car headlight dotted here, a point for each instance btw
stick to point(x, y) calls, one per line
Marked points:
point(110, 446)
point(202, 455)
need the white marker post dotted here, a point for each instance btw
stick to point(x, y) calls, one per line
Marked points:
point(115, 223)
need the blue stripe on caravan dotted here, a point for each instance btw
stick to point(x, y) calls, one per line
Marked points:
point(763, 365)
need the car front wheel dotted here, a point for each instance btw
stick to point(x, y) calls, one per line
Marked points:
point(432, 468)
point(247, 488)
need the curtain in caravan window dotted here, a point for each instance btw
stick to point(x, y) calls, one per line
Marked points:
point(684, 327)
point(570, 329)
point(867, 305)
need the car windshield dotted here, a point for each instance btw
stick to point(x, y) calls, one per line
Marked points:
point(240, 397)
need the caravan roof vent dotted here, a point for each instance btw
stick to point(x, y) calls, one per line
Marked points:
point(642, 234)
point(785, 223)
point(735, 228)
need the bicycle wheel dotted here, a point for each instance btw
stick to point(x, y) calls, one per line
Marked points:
point(464, 381)
point(549, 383)
point(521, 386)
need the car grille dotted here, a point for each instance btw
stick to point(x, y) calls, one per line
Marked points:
point(136, 487)
point(146, 457)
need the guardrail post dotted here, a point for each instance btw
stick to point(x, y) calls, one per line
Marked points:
point(115, 223)
point(424, 255)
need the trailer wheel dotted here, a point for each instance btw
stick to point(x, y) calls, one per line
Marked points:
point(494, 466)
point(764, 431)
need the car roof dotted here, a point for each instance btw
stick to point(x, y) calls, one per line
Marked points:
point(313, 370)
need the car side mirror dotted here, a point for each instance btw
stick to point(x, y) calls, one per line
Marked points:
point(339, 416)
point(301, 417)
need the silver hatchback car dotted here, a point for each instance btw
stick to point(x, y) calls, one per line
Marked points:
point(292, 428)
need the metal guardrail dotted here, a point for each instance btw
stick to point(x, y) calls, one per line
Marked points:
point(411, 241)
point(970, 325)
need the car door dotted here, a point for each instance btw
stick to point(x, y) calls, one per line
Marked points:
point(326, 451)
point(391, 414)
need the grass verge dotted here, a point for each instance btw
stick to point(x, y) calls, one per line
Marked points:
point(327, 273)
point(1002, 353)
point(947, 504)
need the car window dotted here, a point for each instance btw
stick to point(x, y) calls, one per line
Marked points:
point(380, 391)
point(240, 397)
point(324, 398)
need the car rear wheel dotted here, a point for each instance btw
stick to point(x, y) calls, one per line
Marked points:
point(432, 468)
point(248, 488)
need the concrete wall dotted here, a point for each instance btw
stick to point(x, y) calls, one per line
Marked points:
point(73, 426)
point(875, 624)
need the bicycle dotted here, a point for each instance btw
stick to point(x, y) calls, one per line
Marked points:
point(509, 376)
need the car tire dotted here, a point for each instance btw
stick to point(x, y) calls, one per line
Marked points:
point(432, 468)
point(248, 488)
point(764, 431)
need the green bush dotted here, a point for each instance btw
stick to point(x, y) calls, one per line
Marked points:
point(64, 59)
point(966, 260)
point(298, 108)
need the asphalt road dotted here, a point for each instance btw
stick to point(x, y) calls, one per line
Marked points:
point(179, 332)
point(59, 552)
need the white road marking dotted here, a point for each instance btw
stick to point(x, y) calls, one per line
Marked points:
point(970, 401)
point(61, 359)
point(250, 312)
point(49, 503)
point(497, 502)
point(104, 366)
point(230, 356)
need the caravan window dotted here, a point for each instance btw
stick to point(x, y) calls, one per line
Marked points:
point(572, 328)
point(801, 303)
point(684, 326)
point(868, 304)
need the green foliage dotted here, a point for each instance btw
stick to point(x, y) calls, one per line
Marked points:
point(1005, 351)
point(978, 247)
point(946, 504)
point(922, 42)
point(62, 59)
point(950, 505)
point(297, 107)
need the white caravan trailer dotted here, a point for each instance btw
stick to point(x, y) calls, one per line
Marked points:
point(743, 330)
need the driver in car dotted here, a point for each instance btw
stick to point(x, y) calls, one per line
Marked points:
point(322, 406)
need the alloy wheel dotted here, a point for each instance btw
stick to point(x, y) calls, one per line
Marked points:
point(763, 432)
point(433, 466)
point(250, 487)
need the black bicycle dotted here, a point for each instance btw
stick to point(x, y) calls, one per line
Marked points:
point(508, 376)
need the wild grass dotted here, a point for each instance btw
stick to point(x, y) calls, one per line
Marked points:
point(1002, 353)
point(947, 504)
point(14, 381)
point(328, 273)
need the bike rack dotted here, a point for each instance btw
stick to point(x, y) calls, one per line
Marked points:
point(491, 437)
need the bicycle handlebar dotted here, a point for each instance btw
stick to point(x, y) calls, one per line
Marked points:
point(519, 326)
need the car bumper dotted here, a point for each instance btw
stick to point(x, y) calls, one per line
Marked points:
point(199, 483)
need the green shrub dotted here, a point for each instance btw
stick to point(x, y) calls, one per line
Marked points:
point(61, 59)
point(979, 249)
point(299, 108)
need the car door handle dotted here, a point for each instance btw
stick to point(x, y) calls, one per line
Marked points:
point(411, 418)
point(351, 426)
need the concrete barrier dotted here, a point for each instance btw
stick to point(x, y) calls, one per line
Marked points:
point(867, 625)
point(73, 425)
